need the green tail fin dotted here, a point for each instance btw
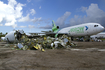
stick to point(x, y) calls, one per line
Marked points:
point(53, 23)
point(54, 28)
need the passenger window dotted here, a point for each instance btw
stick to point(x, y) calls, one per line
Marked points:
point(95, 25)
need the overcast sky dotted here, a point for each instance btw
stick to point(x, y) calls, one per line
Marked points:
point(37, 15)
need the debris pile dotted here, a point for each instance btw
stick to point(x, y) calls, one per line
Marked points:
point(42, 43)
point(21, 41)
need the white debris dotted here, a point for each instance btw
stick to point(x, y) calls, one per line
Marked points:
point(21, 31)
point(20, 45)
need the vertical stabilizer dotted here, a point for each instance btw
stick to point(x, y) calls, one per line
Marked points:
point(53, 23)
point(55, 28)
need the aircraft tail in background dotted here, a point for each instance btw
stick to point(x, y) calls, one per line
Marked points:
point(55, 28)
point(53, 23)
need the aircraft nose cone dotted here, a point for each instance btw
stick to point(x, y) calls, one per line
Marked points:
point(102, 28)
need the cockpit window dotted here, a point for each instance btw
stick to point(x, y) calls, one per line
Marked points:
point(95, 25)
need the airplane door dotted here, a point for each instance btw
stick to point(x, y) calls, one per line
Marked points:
point(70, 34)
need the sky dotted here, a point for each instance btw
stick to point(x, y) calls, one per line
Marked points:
point(37, 15)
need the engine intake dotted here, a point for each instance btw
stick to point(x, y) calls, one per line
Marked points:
point(55, 28)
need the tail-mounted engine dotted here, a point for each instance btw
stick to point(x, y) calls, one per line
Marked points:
point(55, 28)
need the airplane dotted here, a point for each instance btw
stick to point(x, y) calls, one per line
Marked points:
point(99, 35)
point(86, 29)
point(13, 36)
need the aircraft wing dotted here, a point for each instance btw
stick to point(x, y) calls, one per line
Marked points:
point(52, 34)
point(34, 35)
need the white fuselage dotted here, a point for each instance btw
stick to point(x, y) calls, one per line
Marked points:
point(99, 35)
point(86, 29)
point(10, 36)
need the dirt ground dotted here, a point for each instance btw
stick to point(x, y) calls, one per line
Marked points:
point(57, 59)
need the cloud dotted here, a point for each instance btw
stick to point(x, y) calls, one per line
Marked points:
point(31, 26)
point(94, 11)
point(83, 9)
point(38, 23)
point(47, 21)
point(46, 27)
point(10, 12)
point(23, 26)
point(24, 19)
point(93, 14)
point(38, 0)
point(40, 7)
point(61, 20)
point(36, 19)
point(27, 19)
point(1, 24)
point(28, 0)
point(33, 11)
point(11, 24)
point(12, 3)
